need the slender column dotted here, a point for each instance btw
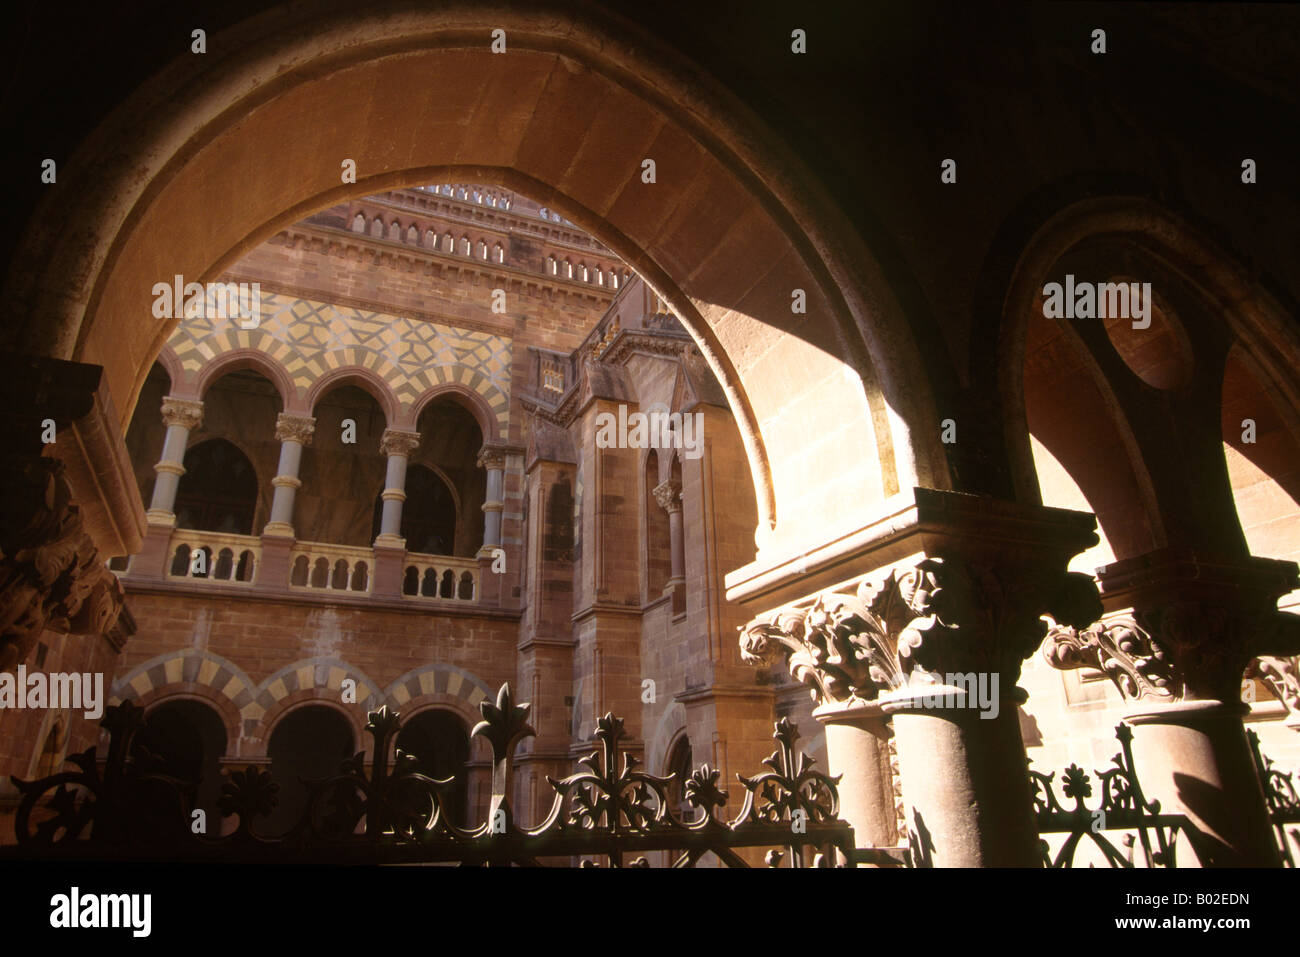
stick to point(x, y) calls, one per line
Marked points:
point(494, 460)
point(398, 446)
point(669, 496)
point(1184, 629)
point(181, 416)
point(294, 433)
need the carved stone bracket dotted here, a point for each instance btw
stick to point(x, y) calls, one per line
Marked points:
point(298, 428)
point(1123, 651)
point(185, 412)
point(51, 574)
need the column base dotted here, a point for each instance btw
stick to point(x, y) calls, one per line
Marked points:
point(278, 530)
point(389, 565)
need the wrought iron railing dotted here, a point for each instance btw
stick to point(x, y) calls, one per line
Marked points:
point(1122, 810)
point(1282, 799)
point(129, 807)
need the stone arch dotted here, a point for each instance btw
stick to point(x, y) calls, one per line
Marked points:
point(841, 384)
point(255, 360)
point(365, 380)
point(488, 405)
point(439, 679)
point(171, 364)
point(670, 726)
point(1253, 317)
point(199, 674)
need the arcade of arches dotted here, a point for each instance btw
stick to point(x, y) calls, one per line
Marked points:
point(393, 473)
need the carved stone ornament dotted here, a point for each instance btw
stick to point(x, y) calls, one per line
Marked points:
point(397, 442)
point(935, 619)
point(1282, 675)
point(1122, 651)
point(298, 428)
point(669, 495)
point(491, 458)
point(51, 574)
point(186, 412)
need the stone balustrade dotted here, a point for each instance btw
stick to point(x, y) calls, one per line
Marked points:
point(440, 576)
point(214, 557)
point(342, 568)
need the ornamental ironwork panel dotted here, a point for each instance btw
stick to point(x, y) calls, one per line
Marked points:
point(128, 807)
point(1282, 799)
point(1122, 807)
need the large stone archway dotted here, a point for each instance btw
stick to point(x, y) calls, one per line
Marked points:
point(219, 151)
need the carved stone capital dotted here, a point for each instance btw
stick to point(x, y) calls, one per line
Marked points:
point(1282, 675)
point(1123, 651)
point(397, 442)
point(1207, 616)
point(51, 574)
point(491, 457)
point(923, 624)
point(669, 495)
point(184, 412)
point(297, 428)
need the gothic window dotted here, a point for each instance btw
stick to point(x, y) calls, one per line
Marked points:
point(377, 227)
point(359, 224)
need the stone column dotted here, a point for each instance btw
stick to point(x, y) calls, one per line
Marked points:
point(390, 547)
point(181, 416)
point(669, 496)
point(1177, 655)
point(490, 582)
point(938, 646)
point(398, 446)
point(295, 433)
point(494, 460)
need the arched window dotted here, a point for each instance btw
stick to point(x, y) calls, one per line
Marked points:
point(413, 235)
point(377, 227)
point(308, 743)
point(448, 243)
point(482, 250)
point(395, 231)
point(359, 224)
point(464, 246)
point(568, 269)
point(439, 742)
point(218, 492)
point(550, 265)
point(658, 538)
point(430, 239)
point(679, 764)
point(498, 253)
